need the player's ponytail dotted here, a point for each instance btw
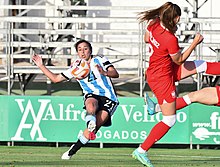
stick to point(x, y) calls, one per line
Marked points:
point(166, 13)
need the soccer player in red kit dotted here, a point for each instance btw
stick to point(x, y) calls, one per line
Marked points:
point(167, 64)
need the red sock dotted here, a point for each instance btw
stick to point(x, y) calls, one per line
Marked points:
point(213, 68)
point(180, 103)
point(158, 131)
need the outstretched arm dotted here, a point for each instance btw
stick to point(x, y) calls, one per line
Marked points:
point(180, 58)
point(53, 77)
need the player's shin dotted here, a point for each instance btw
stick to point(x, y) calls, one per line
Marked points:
point(182, 102)
point(91, 125)
point(75, 147)
point(80, 143)
point(158, 131)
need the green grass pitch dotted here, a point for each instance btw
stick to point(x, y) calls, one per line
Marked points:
point(30, 156)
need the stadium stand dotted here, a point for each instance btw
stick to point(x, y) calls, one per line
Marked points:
point(52, 29)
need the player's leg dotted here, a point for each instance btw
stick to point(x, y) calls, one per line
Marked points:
point(201, 96)
point(91, 105)
point(102, 116)
point(208, 96)
point(157, 132)
point(199, 66)
point(82, 141)
point(187, 69)
point(106, 108)
point(166, 98)
point(102, 119)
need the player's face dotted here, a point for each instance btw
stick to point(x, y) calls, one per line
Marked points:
point(177, 19)
point(83, 51)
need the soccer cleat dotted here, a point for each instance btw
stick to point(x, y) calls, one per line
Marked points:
point(151, 106)
point(142, 157)
point(67, 155)
point(91, 129)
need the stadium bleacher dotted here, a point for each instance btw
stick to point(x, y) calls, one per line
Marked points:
point(52, 34)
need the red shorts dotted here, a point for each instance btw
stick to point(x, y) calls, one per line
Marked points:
point(177, 72)
point(165, 90)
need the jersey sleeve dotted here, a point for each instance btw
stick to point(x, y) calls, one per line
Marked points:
point(107, 63)
point(68, 73)
point(173, 46)
point(103, 62)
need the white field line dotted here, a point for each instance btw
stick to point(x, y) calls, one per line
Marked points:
point(118, 154)
point(160, 155)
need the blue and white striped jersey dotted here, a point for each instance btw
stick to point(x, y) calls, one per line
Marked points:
point(96, 83)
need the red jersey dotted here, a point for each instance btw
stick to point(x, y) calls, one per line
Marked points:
point(163, 44)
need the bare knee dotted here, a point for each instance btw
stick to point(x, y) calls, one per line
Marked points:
point(91, 106)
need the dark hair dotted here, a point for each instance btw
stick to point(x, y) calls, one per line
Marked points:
point(166, 13)
point(83, 41)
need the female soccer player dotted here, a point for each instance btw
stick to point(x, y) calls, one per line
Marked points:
point(100, 99)
point(167, 65)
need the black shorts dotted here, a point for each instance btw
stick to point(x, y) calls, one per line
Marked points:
point(105, 104)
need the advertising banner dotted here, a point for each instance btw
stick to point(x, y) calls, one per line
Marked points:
point(205, 124)
point(61, 119)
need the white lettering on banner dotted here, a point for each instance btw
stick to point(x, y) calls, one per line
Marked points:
point(138, 116)
point(181, 117)
point(36, 120)
point(70, 114)
point(50, 113)
point(134, 135)
point(215, 120)
point(127, 113)
point(124, 135)
point(202, 133)
point(116, 135)
point(47, 109)
point(119, 135)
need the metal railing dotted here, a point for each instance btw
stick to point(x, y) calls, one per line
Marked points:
point(115, 41)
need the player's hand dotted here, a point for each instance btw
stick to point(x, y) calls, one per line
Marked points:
point(37, 60)
point(100, 69)
point(198, 38)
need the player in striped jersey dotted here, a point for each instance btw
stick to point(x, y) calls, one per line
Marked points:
point(97, 83)
point(100, 99)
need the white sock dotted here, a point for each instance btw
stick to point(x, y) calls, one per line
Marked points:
point(140, 150)
point(187, 99)
point(90, 118)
